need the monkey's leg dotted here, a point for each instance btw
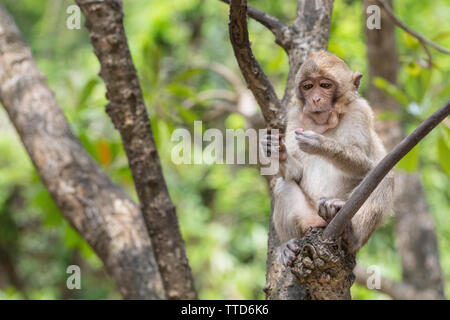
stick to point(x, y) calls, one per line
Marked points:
point(293, 216)
point(371, 215)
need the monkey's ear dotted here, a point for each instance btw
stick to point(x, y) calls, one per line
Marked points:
point(357, 79)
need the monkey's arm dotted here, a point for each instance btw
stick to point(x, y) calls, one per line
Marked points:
point(349, 158)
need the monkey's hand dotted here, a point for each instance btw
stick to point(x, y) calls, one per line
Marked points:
point(309, 141)
point(273, 147)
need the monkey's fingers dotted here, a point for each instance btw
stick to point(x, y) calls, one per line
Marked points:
point(272, 152)
point(306, 133)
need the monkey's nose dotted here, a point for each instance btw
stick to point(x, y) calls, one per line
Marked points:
point(316, 100)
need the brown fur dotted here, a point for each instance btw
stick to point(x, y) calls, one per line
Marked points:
point(333, 166)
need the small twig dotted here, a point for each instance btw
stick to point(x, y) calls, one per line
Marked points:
point(255, 77)
point(402, 25)
point(270, 22)
point(371, 181)
point(428, 53)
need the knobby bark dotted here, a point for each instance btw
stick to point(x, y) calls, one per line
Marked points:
point(99, 210)
point(256, 79)
point(126, 108)
point(414, 227)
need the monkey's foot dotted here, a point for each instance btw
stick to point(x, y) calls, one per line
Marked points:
point(328, 207)
point(324, 267)
point(288, 252)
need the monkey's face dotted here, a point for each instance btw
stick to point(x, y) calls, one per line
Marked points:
point(318, 93)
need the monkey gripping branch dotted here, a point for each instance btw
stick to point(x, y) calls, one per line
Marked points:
point(320, 260)
point(323, 263)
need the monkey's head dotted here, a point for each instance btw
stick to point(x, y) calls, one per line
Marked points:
point(325, 86)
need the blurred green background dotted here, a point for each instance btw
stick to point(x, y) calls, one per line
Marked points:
point(223, 210)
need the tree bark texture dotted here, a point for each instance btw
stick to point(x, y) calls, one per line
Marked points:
point(126, 108)
point(99, 210)
point(308, 33)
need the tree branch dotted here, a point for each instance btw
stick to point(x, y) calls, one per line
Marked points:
point(129, 115)
point(402, 25)
point(310, 33)
point(278, 28)
point(257, 81)
point(98, 209)
point(371, 181)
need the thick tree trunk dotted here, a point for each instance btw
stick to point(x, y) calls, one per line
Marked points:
point(99, 210)
point(104, 20)
point(415, 232)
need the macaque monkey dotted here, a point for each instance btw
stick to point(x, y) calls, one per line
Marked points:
point(329, 146)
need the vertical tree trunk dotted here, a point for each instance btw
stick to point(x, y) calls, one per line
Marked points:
point(414, 227)
point(311, 31)
point(98, 209)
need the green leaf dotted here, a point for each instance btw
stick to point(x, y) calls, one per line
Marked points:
point(180, 91)
point(391, 90)
point(188, 74)
point(71, 237)
point(235, 121)
point(409, 162)
point(87, 91)
point(410, 41)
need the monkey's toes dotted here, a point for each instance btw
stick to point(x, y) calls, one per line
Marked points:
point(288, 252)
point(329, 207)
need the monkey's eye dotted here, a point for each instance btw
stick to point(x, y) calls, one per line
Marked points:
point(307, 86)
point(326, 85)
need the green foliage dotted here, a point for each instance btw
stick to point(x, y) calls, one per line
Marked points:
point(223, 210)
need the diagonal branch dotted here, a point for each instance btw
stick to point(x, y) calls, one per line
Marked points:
point(415, 34)
point(127, 111)
point(371, 181)
point(99, 210)
point(257, 81)
point(278, 28)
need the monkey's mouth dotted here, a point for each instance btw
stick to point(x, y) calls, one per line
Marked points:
point(320, 112)
point(320, 116)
